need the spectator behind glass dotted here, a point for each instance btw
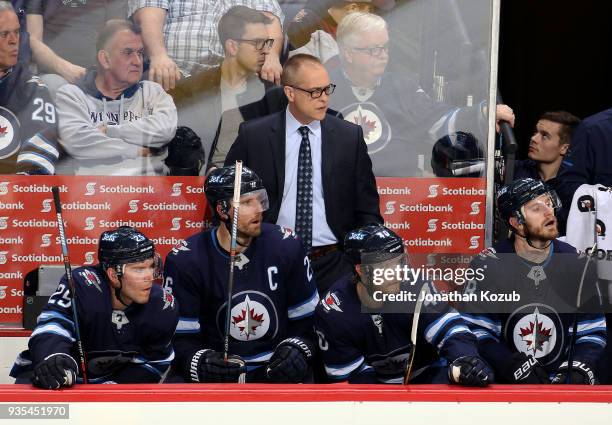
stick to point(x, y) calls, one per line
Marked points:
point(400, 121)
point(181, 35)
point(111, 122)
point(63, 34)
point(203, 99)
point(28, 122)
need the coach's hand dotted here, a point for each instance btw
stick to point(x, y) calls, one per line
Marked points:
point(55, 371)
point(290, 361)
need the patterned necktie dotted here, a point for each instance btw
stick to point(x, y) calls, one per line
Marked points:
point(303, 204)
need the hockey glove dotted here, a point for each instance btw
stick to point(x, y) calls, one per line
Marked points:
point(471, 371)
point(209, 366)
point(290, 360)
point(526, 370)
point(55, 371)
point(581, 373)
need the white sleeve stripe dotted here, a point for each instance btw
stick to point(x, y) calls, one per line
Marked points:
point(304, 309)
point(482, 334)
point(483, 322)
point(52, 328)
point(453, 331)
point(37, 160)
point(40, 143)
point(592, 338)
point(586, 326)
point(46, 315)
point(340, 371)
point(432, 330)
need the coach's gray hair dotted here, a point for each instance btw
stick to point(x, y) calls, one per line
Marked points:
point(357, 25)
point(6, 6)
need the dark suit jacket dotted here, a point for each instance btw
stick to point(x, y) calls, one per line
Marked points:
point(349, 187)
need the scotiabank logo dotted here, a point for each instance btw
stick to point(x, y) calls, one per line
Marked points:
point(474, 240)
point(176, 189)
point(432, 225)
point(4, 188)
point(176, 223)
point(45, 240)
point(475, 208)
point(3, 257)
point(89, 223)
point(3, 292)
point(433, 190)
point(390, 207)
point(90, 189)
point(46, 205)
point(133, 206)
point(3, 223)
point(89, 258)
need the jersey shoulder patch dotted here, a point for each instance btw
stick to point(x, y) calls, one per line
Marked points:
point(36, 80)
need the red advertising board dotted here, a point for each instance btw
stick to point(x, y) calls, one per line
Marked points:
point(432, 215)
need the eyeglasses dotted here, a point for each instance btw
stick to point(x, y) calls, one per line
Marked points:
point(318, 92)
point(259, 43)
point(375, 51)
point(129, 52)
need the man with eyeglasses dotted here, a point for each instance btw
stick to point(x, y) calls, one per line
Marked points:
point(181, 35)
point(213, 103)
point(111, 122)
point(399, 120)
point(314, 166)
point(28, 121)
point(553, 324)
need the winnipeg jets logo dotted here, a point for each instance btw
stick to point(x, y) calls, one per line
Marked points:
point(431, 225)
point(331, 302)
point(3, 258)
point(119, 319)
point(370, 124)
point(176, 189)
point(3, 188)
point(91, 279)
point(46, 205)
point(3, 292)
point(488, 252)
point(9, 130)
point(89, 258)
point(535, 334)
point(390, 207)
point(537, 274)
point(287, 232)
point(181, 246)
point(376, 128)
point(168, 299)
point(133, 206)
point(3, 223)
point(241, 261)
point(90, 189)
point(89, 223)
point(433, 190)
point(474, 242)
point(250, 320)
point(475, 208)
point(45, 240)
point(176, 223)
point(378, 322)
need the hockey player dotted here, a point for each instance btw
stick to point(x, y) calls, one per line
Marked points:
point(374, 348)
point(273, 300)
point(528, 339)
point(126, 321)
point(28, 122)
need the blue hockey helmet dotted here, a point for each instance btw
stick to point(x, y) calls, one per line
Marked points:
point(373, 241)
point(512, 197)
point(124, 245)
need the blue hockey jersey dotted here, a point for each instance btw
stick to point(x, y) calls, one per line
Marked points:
point(274, 296)
point(540, 324)
point(121, 346)
point(374, 348)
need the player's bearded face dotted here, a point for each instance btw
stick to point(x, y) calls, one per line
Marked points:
point(250, 215)
point(137, 281)
point(540, 221)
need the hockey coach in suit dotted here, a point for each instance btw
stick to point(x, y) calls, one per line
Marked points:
point(315, 168)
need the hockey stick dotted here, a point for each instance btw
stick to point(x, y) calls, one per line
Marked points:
point(71, 286)
point(230, 280)
point(414, 329)
point(572, 342)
